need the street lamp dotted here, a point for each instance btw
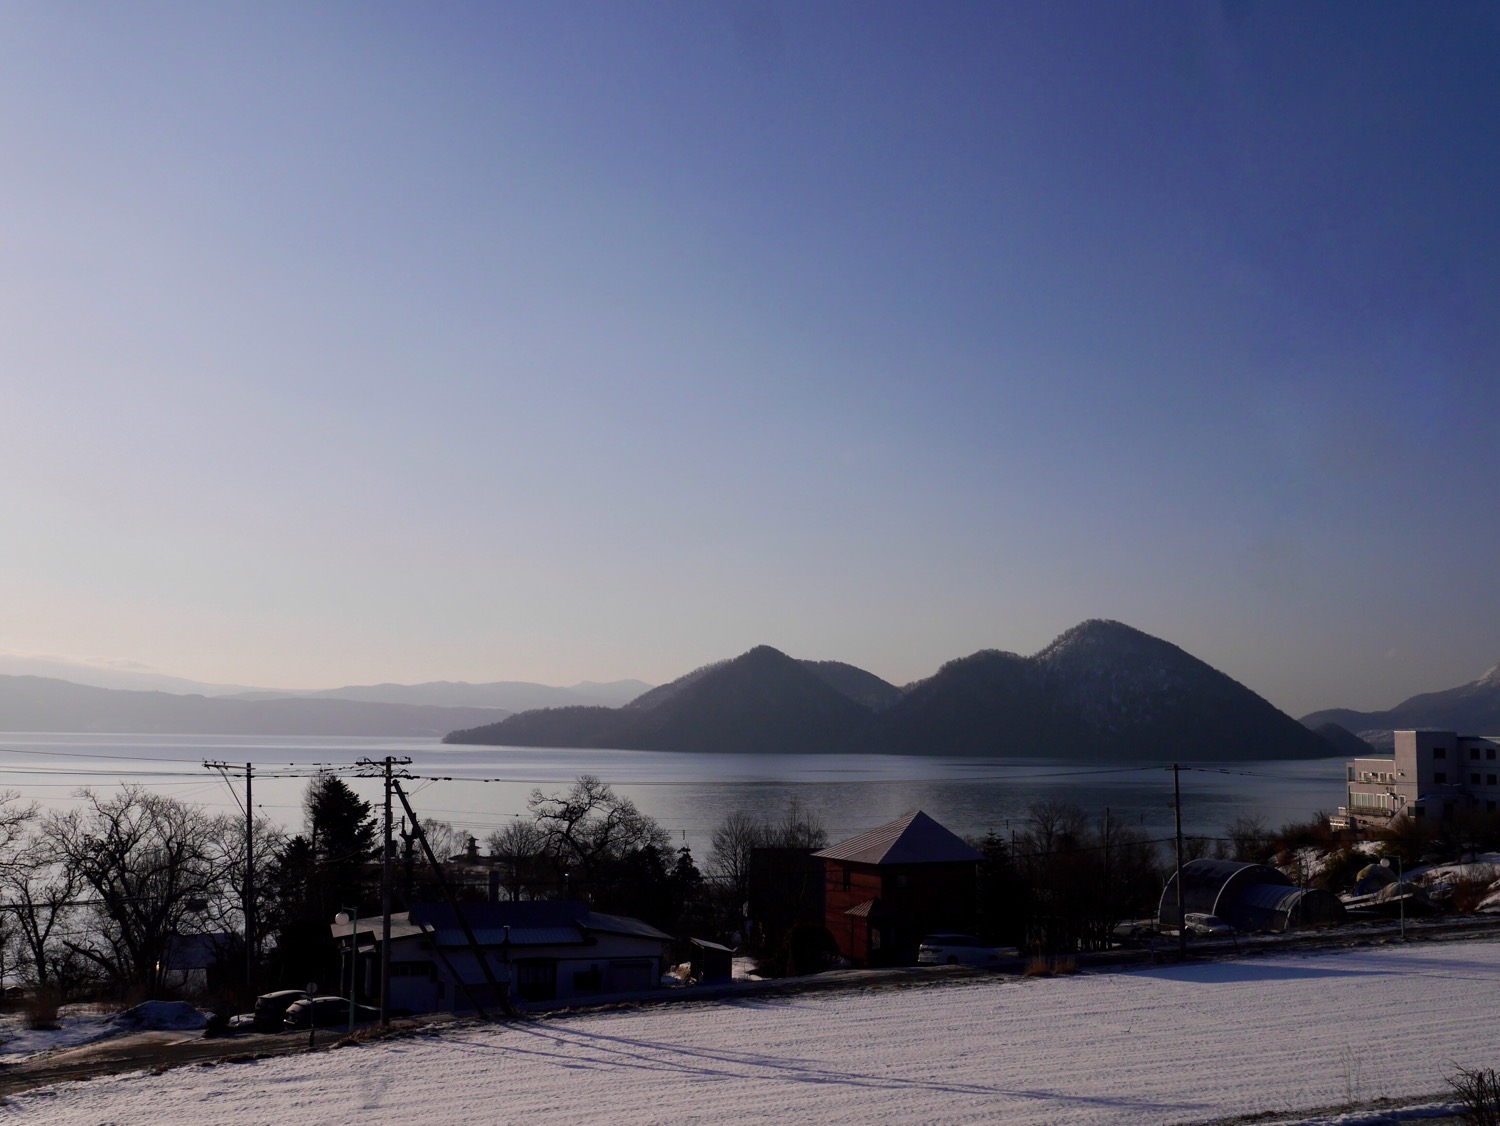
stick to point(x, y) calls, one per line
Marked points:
point(352, 918)
point(1401, 897)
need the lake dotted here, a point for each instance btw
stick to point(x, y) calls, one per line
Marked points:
point(480, 789)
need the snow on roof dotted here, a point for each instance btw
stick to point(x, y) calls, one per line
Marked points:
point(913, 839)
point(529, 923)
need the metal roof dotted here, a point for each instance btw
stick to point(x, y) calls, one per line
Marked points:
point(913, 839)
point(528, 923)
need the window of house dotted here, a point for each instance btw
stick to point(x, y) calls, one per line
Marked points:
point(1489, 779)
point(1439, 752)
point(1489, 752)
point(1473, 779)
point(1473, 752)
point(1439, 776)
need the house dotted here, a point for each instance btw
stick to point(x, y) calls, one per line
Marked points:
point(883, 891)
point(1249, 897)
point(1432, 775)
point(538, 950)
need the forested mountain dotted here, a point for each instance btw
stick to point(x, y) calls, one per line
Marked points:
point(1101, 690)
point(762, 700)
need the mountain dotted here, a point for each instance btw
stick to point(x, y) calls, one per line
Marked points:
point(1349, 744)
point(762, 700)
point(508, 695)
point(1471, 709)
point(119, 674)
point(34, 703)
point(1102, 690)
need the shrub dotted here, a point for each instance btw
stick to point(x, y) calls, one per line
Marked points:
point(41, 1010)
point(1039, 966)
point(1478, 1094)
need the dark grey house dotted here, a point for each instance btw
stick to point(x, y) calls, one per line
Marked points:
point(542, 951)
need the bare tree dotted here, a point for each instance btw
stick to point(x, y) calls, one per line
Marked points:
point(590, 827)
point(444, 838)
point(152, 863)
point(41, 891)
point(521, 848)
point(730, 849)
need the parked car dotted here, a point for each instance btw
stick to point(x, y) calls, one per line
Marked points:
point(326, 1012)
point(1206, 926)
point(956, 950)
point(270, 1009)
point(1134, 934)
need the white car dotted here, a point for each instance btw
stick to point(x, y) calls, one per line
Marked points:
point(956, 950)
point(1206, 926)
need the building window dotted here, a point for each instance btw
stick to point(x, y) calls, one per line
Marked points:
point(1489, 779)
point(1489, 752)
point(1439, 752)
point(1473, 779)
point(1473, 752)
point(1439, 776)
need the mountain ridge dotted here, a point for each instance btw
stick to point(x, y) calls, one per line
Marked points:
point(1471, 709)
point(1100, 690)
point(34, 703)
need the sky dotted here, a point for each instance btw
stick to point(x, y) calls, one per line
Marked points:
point(346, 343)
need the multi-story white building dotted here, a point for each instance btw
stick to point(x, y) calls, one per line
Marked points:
point(1432, 775)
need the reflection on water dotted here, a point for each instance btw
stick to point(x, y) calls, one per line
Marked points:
point(480, 788)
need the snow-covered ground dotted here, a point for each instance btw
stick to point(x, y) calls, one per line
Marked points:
point(1164, 1045)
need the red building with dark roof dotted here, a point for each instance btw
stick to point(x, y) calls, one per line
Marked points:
point(886, 889)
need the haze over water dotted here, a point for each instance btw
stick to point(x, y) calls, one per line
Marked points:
point(687, 794)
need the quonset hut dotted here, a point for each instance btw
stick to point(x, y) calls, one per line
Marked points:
point(1249, 897)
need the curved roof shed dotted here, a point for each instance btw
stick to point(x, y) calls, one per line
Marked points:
point(1249, 897)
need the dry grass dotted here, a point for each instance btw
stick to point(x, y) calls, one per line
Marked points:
point(1039, 966)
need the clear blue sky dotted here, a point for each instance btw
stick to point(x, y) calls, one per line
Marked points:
point(355, 342)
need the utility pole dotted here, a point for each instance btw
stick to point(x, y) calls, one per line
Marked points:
point(386, 767)
point(249, 888)
point(1181, 918)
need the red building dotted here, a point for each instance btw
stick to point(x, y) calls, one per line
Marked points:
point(884, 890)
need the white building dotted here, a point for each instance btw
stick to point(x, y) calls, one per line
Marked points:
point(1433, 775)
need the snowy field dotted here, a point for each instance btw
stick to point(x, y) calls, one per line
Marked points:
point(1165, 1045)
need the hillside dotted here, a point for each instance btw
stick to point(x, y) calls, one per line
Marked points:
point(1102, 690)
point(1470, 709)
point(34, 703)
point(762, 700)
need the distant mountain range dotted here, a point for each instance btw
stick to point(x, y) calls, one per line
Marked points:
point(1470, 709)
point(35, 703)
point(509, 695)
point(1100, 691)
